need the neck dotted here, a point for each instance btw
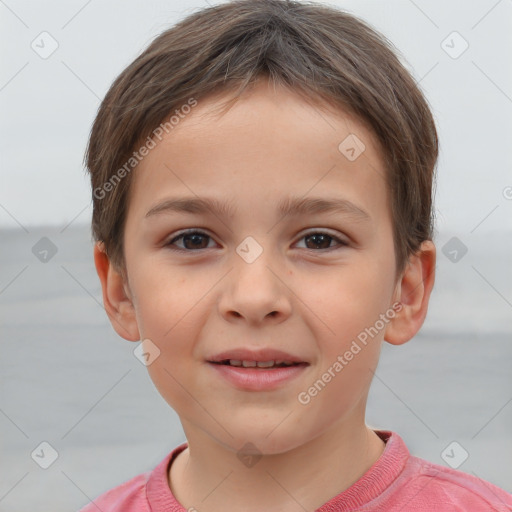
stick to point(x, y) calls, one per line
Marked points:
point(207, 475)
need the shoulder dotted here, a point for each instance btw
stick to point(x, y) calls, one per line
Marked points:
point(127, 497)
point(439, 486)
point(141, 493)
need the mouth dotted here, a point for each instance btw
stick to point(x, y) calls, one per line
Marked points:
point(247, 375)
point(257, 370)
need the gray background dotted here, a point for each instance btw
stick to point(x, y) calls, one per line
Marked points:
point(68, 379)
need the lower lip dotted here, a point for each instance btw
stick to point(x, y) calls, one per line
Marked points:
point(258, 379)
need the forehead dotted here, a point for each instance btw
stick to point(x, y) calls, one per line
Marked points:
point(271, 143)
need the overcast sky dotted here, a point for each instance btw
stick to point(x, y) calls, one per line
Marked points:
point(48, 104)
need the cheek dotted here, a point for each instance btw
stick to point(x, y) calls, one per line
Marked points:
point(165, 297)
point(174, 306)
point(347, 299)
point(169, 312)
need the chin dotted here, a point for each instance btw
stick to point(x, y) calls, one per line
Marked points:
point(263, 438)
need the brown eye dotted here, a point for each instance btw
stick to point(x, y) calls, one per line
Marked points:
point(192, 240)
point(321, 240)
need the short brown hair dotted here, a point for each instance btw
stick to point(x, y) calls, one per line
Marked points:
point(318, 51)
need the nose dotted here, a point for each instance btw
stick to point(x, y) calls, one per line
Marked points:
point(256, 292)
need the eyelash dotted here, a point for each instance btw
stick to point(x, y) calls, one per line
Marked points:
point(341, 243)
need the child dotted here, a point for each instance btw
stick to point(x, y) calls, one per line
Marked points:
point(262, 184)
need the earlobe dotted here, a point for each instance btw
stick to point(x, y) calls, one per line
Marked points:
point(116, 299)
point(413, 292)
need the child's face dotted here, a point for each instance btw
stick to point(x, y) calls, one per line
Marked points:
point(304, 295)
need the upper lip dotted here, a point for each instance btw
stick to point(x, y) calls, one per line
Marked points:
point(244, 354)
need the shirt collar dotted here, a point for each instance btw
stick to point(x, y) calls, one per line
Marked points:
point(374, 482)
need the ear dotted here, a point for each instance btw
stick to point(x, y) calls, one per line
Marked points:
point(117, 299)
point(413, 292)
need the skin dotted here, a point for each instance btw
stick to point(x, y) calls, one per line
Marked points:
point(297, 296)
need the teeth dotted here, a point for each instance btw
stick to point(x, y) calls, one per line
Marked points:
point(265, 364)
point(259, 364)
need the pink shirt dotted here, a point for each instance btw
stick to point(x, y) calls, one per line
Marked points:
point(396, 482)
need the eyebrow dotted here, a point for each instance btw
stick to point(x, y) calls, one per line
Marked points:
point(288, 206)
